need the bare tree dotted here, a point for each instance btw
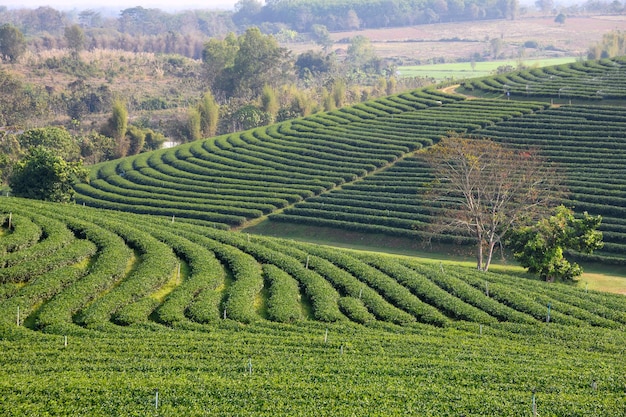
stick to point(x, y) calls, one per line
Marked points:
point(487, 188)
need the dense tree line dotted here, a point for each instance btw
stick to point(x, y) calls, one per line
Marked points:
point(140, 29)
point(136, 29)
point(131, 21)
point(301, 15)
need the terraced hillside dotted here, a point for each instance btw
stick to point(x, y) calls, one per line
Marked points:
point(588, 80)
point(109, 313)
point(357, 168)
point(231, 179)
point(93, 268)
point(587, 142)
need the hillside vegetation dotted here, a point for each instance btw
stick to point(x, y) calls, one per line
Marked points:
point(152, 295)
point(130, 314)
point(324, 169)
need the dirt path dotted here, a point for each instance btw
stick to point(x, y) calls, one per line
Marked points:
point(451, 89)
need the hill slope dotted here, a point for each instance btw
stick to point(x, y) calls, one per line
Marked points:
point(138, 269)
point(331, 164)
point(129, 314)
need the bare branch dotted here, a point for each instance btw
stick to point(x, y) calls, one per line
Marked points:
point(486, 189)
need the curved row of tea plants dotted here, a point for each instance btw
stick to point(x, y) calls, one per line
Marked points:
point(349, 168)
point(588, 144)
point(227, 180)
point(133, 275)
point(588, 80)
point(230, 179)
point(151, 323)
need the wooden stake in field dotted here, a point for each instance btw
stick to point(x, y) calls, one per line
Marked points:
point(326, 336)
point(486, 288)
point(534, 406)
point(10, 219)
point(307, 262)
point(65, 341)
point(548, 316)
point(156, 400)
point(250, 366)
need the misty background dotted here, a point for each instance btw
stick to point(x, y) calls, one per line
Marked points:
point(166, 5)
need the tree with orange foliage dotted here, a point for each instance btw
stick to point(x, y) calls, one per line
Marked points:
point(486, 189)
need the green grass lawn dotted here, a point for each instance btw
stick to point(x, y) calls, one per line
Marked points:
point(603, 278)
point(462, 70)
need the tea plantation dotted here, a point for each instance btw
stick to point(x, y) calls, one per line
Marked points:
point(359, 168)
point(146, 298)
point(111, 313)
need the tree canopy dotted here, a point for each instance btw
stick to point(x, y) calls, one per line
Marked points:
point(75, 38)
point(259, 62)
point(244, 65)
point(54, 138)
point(12, 43)
point(117, 126)
point(44, 175)
point(486, 189)
point(541, 247)
point(209, 114)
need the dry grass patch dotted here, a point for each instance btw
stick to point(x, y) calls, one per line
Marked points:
point(459, 40)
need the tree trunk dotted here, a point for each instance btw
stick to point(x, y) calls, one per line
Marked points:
point(492, 244)
point(479, 253)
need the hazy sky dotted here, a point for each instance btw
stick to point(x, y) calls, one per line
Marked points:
point(122, 4)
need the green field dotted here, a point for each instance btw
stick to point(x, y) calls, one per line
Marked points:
point(358, 371)
point(96, 319)
point(597, 277)
point(464, 70)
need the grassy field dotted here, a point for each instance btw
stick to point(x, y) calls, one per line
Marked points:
point(603, 278)
point(464, 70)
point(359, 241)
point(451, 42)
